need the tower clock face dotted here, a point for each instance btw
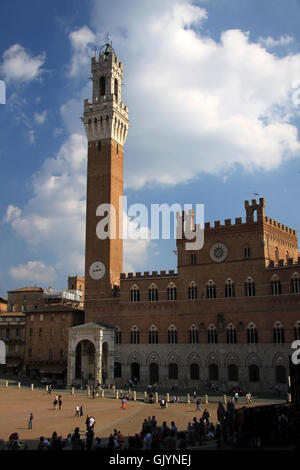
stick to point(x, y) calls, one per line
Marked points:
point(218, 252)
point(97, 270)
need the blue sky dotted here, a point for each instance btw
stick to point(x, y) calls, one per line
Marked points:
point(213, 90)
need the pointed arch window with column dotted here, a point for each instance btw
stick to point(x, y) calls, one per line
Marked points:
point(231, 334)
point(212, 334)
point(211, 289)
point(153, 293)
point(278, 333)
point(172, 291)
point(135, 293)
point(229, 289)
point(249, 287)
point(193, 291)
point(275, 285)
point(172, 335)
point(153, 335)
point(251, 334)
point(295, 283)
point(134, 335)
point(193, 335)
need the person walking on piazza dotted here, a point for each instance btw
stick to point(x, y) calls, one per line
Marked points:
point(59, 402)
point(55, 403)
point(77, 411)
point(30, 421)
point(198, 408)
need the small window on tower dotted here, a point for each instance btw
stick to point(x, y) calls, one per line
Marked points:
point(193, 258)
point(247, 252)
point(116, 88)
point(102, 86)
point(99, 145)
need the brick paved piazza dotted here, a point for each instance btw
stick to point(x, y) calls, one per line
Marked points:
point(17, 404)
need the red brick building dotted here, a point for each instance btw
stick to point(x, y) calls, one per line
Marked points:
point(226, 317)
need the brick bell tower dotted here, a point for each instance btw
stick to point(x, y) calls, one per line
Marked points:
point(106, 125)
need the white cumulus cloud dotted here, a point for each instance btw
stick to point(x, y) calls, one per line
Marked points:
point(33, 271)
point(12, 212)
point(40, 118)
point(271, 42)
point(197, 104)
point(19, 65)
point(82, 41)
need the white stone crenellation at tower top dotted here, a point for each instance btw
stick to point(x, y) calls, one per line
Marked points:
point(107, 116)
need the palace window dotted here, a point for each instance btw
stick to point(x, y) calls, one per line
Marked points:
point(172, 335)
point(153, 293)
point(135, 294)
point(194, 335)
point(249, 287)
point(275, 285)
point(247, 252)
point(231, 334)
point(229, 289)
point(295, 284)
point(278, 333)
point(251, 334)
point(211, 290)
point(297, 330)
point(118, 335)
point(212, 334)
point(193, 291)
point(172, 292)
point(153, 335)
point(173, 371)
point(134, 335)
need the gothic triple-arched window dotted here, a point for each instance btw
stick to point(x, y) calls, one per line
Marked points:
point(278, 333)
point(297, 330)
point(295, 283)
point(231, 334)
point(193, 291)
point(229, 289)
point(251, 334)
point(153, 335)
point(135, 335)
point(171, 291)
point(212, 334)
point(172, 334)
point(249, 287)
point(135, 293)
point(275, 285)
point(211, 290)
point(118, 335)
point(153, 293)
point(194, 335)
